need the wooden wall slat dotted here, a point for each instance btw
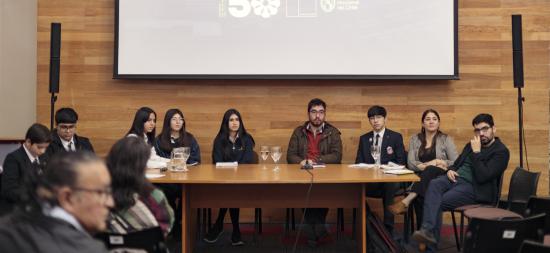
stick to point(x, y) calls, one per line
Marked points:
point(273, 108)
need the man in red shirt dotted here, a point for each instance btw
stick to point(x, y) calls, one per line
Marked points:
point(315, 142)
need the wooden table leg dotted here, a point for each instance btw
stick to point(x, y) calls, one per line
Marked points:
point(362, 221)
point(187, 236)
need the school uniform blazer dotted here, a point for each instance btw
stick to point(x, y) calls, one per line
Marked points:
point(392, 149)
point(17, 168)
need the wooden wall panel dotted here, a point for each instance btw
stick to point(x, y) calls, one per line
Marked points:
point(272, 108)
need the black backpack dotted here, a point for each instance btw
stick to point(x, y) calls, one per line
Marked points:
point(379, 240)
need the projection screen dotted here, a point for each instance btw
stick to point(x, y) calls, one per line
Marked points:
point(286, 39)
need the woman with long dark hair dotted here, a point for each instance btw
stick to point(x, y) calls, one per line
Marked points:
point(431, 152)
point(175, 135)
point(232, 144)
point(144, 125)
point(138, 204)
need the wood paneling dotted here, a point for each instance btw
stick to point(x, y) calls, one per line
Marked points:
point(272, 108)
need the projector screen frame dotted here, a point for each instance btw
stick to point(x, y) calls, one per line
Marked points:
point(116, 75)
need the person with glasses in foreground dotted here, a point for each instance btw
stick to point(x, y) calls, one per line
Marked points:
point(473, 178)
point(62, 208)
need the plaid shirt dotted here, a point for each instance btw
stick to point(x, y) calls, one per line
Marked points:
point(148, 212)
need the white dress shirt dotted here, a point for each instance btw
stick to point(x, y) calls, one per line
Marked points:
point(66, 144)
point(381, 138)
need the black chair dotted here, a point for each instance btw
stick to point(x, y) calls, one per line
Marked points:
point(503, 236)
point(150, 240)
point(538, 205)
point(533, 247)
point(523, 185)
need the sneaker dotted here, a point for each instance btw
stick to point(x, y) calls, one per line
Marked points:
point(424, 236)
point(213, 235)
point(236, 240)
point(398, 208)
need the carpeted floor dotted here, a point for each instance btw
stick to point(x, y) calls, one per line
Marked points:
point(273, 240)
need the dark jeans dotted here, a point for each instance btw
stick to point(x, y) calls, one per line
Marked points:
point(387, 192)
point(234, 213)
point(444, 195)
point(420, 188)
point(426, 176)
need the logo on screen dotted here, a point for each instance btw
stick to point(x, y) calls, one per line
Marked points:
point(263, 8)
point(328, 5)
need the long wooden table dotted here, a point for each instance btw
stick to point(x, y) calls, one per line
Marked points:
point(260, 186)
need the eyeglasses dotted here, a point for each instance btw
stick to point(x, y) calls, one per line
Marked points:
point(314, 112)
point(177, 119)
point(484, 129)
point(103, 194)
point(67, 127)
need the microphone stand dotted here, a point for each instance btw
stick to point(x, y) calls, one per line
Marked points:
point(521, 99)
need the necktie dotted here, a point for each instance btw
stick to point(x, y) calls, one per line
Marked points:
point(70, 147)
point(376, 139)
point(36, 165)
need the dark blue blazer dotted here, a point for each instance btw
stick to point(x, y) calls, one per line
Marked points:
point(392, 149)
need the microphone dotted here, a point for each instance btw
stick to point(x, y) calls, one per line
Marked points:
point(307, 166)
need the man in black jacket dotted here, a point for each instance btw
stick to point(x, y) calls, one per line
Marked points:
point(474, 178)
point(23, 164)
point(64, 138)
point(391, 148)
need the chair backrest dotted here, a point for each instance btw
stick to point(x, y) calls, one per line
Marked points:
point(503, 236)
point(499, 191)
point(538, 205)
point(523, 185)
point(255, 158)
point(150, 240)
point(533, 247)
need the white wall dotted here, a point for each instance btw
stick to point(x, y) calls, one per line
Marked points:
point(18, 28)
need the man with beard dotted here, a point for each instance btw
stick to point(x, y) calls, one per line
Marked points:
point(390, 144)
point(315, 142)
point(473, 178)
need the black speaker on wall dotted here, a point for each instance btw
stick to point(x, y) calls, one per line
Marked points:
point(517, 52)
point(55, 52)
